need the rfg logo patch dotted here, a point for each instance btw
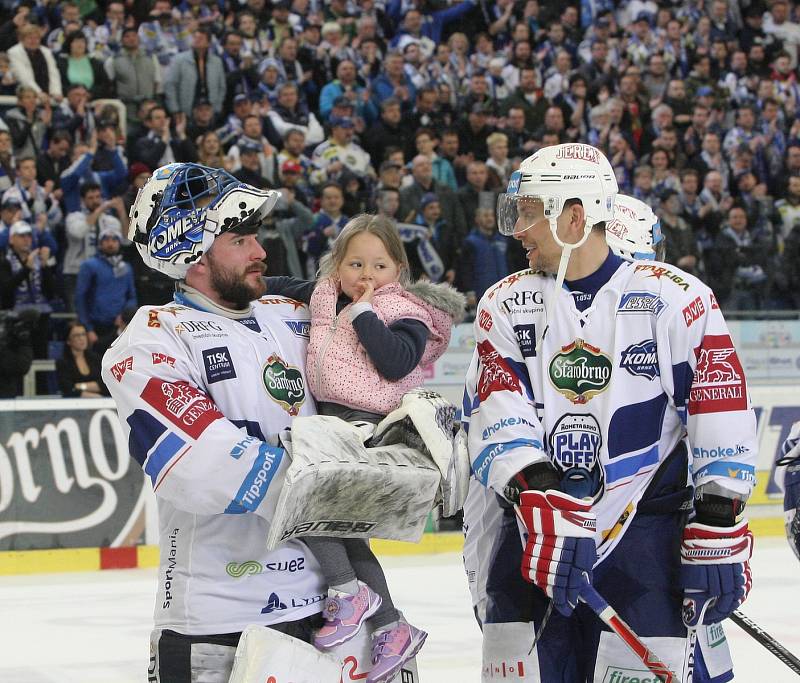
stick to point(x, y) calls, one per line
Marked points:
point(219, 365)
point(526, 338)
point(694, 311)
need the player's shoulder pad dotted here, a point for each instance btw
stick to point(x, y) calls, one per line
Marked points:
point(521, 281)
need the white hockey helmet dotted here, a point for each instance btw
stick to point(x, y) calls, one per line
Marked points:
point(552, 176)
point(182, 208)
point(635, 231)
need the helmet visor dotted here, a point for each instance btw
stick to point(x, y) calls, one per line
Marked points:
point(516, 213)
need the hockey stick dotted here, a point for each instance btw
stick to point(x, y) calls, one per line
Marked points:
point(765, 639)
point(609, 616)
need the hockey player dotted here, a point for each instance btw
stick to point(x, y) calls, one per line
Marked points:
point(200, 432)
point(788, 477)
point(578, 401)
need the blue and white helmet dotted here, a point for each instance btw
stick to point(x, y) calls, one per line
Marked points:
point(182, 208)
point(635, 231)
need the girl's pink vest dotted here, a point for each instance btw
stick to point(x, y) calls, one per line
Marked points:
point(338, 368)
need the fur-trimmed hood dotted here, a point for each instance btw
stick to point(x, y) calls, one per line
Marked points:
point(443, 296)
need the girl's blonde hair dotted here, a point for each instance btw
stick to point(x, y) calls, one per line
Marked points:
point(383, 228)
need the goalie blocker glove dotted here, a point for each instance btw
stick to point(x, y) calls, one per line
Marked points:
point(791, 488)
point(560, 550)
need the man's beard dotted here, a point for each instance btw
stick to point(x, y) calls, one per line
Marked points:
point(233, 287)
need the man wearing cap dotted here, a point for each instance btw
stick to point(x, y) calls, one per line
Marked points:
point(249, 165)
point(83, 227)
point(252, 137)
point(26, 279)
point(195, 74)
point(473, 132)
point(339, 152)
point(202, 121)
point(105, 286)
point(642, 41)
point(10, 213)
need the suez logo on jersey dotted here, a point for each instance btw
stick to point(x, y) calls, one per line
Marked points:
point(496, 373)
point(580, 371)
point(119, 369)
point(182, 404)
point(641, 302)
point(237, 570)
point(641, 360)
point(694, 311)
point(719, 384)
point(218, 364)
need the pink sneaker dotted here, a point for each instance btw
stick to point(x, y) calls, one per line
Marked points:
point(391, 649)
point(345, 614)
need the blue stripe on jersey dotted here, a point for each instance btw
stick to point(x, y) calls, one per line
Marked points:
point(630, 466)
point(682, 376)
point(636, 426)
point(521, 371)
point(728, 468)
point(164, 452)
point(481, 464)
point(256, 483)
point(146, 430)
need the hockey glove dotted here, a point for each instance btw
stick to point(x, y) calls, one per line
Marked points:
point(560, 551)
point(715, 571)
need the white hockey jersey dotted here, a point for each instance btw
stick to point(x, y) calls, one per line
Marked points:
point(197, 395)
point(612, 390)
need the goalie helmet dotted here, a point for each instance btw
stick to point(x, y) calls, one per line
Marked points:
point(635, 231)
point(182, 208)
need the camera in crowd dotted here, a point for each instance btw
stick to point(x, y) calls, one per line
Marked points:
point(17, 327)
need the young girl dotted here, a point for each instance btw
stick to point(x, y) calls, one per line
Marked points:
point(371, 330)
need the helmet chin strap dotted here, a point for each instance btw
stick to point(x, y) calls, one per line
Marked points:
point(566, 251)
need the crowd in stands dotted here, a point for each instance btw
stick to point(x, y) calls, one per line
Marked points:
point(417, 109)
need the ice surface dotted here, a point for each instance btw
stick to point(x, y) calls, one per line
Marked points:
point(94, 627)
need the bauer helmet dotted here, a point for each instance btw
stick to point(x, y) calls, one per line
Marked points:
point(635, 231)
point(182, 208)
